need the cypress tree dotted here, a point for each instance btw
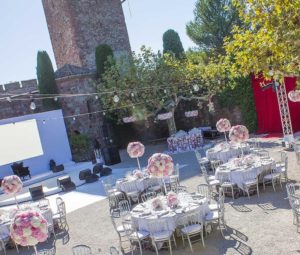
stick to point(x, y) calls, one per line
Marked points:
point(46, 79)
point(102, 53)
point(172, 43)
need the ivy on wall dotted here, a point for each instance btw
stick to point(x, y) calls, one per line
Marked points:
point(240, 93)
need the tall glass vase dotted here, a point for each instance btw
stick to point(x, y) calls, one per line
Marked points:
point(138, 162)
point(15, 197)
point(35, 250)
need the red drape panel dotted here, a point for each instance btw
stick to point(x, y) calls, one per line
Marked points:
point(267, 109)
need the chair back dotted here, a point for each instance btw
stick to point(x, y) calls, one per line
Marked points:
point(148, 196)
point(190, 219)
point(225, 177)
point(203, 170)
point(44, 203)
point(129, 186)
point(48, 215)
point(215, 164)
point(249, 175)
point(82, 250)
point(290, 189)
point(181, 189)
point(263, 153)
point(205, 177)
point(204, 190)
point(157, 225)
point(283, 156)
point(294, 202)
point(124, 207)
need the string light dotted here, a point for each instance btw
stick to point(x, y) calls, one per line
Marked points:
point(8, 99)
point(44, 122)
point(196, 88)
point(55, 99)
point(96, 97)
point(132, 94)
point(32, 105)
point(74, 118)
point(116, 98)
point(165, 91)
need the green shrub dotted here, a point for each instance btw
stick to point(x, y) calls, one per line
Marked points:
point(80, 147)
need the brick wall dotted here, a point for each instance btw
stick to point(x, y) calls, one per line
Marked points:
point(77, 27)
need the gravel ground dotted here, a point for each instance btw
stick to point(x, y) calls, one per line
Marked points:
point(257, 226)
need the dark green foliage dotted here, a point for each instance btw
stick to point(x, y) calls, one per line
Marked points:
point(241, 95)
point(102, 53)
point(213, 22)
point(46, 79)
point(80, 146)
point(172, 43)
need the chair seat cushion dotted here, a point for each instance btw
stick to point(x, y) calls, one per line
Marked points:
point(165, 234)
point(213, 207)
point(212, 215)
point(139, 235)
point(191, 229)
point(250, 182)
point(214, 182)
point(227, 184)
point(272, 176)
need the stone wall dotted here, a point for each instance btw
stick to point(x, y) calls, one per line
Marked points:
point(77, 27)
point(19, 106)
point(90, 124)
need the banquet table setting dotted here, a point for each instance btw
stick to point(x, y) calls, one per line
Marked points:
point(225, 151)
point(143, 213)
point(250, 164)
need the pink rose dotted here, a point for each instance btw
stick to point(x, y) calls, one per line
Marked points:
point(135, 149)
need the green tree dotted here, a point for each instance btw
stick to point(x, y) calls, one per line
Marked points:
point(102, 54)
point(271, 43)
point(214, 20)
point(46, 79)
point(172, 43)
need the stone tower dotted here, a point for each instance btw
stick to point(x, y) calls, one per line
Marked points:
point(77, 27)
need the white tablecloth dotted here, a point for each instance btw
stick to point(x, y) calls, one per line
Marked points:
point(125, 185)
point(186, 203)
point(225, 152)
point(237, 173)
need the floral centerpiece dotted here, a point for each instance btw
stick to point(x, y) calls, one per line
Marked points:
point(237, 162)
point(12, 184)
point(294, 95)
point(248, 160)
point(172, 200)
point(29, 228)
point(239, 134)
point(138, 174)
point(160, 165)
point(136, 150)
point(157, 204)
point(165, 116)
point(223, 126)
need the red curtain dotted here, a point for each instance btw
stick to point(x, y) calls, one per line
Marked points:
point(267, 109)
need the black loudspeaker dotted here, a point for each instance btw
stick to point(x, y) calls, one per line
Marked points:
point(111, 155)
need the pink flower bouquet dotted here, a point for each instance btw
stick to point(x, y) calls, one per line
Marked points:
point(223, 125)
point(238, 134)
point(135, 149)
point(29, 228)
point(138, 174)
point(160, 165)
point(172, 199)
point(11, 184)
point(157, 204)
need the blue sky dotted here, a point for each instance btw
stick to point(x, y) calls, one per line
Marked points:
point(24, 31)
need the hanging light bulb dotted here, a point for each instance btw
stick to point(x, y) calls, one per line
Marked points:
point(104, 113)
point(196, 88)
point(8, 99)
point(116, 98)
point(219, 81)
point(165, 91)
point(44, 122)
point(132, 94)
point(271, 72)
point(32, 105)
point(74, 118)
point(96, 97)
point(55, 99)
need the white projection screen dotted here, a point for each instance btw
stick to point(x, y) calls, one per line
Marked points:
point(19, 141)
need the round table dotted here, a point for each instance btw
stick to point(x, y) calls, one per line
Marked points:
point(143, 213)
point(237, 172)
point(224, 151)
